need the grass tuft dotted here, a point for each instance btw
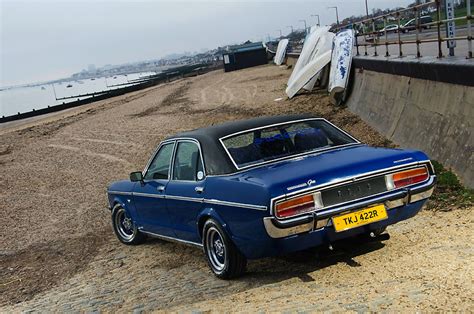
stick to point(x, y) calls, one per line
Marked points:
point(449, 192)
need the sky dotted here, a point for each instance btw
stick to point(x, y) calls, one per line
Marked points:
point(45, 40)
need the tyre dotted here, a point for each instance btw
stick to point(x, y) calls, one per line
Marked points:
point(124, 227)
point(223, 257)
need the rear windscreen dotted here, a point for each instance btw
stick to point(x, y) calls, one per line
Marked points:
point(274, 142)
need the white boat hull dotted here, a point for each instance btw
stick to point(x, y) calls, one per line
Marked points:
point(307, 73)
point(307, 51)
point(281, 52)
point(340, 65)
point(325, 44)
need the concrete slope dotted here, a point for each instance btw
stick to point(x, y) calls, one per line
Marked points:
point(432, 116)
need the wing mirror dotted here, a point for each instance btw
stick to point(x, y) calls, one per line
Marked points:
point(136, 176)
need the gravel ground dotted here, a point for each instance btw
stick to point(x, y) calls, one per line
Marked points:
point(57, 250)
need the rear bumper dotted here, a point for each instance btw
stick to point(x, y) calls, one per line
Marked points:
point(319, 220)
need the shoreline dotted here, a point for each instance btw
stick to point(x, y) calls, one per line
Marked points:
point(163, 77)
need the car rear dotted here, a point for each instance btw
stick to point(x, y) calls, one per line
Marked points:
point(324, 185)
point(322, 214)
point(321, 209)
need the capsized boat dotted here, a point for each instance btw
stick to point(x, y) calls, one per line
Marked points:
point(308, 50)
point(324, 45)
point(319, 57)
point(307, 73)
point(281, 52)
point(340, 65)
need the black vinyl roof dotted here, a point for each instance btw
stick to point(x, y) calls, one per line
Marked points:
point(216, 160)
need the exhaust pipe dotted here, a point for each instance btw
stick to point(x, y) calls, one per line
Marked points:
point(377, 238)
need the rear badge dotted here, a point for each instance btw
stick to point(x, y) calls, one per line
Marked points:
point(302, 185)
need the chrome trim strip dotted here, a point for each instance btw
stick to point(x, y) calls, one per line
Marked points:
point(356, 142)
point(225, 203)
point(421, 196)
point(119, 193)
point(148, 195)
point(296, 219)
point(342, 181)
point(275, 232)
point(171, 239)
point(202, 200)
point(396, 203)
point(184, 198)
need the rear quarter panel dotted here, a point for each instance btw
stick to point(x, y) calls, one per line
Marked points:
point(243, 225)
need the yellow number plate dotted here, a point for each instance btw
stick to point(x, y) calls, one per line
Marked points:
point(359, 218)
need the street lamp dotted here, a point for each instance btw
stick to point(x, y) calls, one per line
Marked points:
point(291, 26)
point(305, 28)
point(317, 15)
point(337, 15)
point(279, 30)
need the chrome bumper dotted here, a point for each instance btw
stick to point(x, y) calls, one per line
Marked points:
point(317, 220)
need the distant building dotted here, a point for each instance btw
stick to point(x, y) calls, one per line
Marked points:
point(244, 56)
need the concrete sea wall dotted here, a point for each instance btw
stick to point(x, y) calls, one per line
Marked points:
point(430, 115)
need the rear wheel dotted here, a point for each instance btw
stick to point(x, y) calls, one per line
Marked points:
point(223, 257)
point(124, 227)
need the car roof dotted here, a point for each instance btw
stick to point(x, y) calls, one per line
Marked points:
point(216, 160)
point(224, 129)
point(421, 17)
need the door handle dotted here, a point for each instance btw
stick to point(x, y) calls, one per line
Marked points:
point(199, 189)
point(160, 188)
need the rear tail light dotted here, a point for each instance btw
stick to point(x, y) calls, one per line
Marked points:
point(298, 205)
point(404, 178)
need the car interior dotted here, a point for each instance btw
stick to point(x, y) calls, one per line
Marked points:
point(279, 145)
point(187, 165)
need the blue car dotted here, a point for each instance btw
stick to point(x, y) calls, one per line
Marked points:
point(265, 187)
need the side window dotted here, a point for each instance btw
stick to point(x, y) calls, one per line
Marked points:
point(159, 167)
point(187, 162)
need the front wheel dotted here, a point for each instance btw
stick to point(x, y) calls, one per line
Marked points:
point(124, 227)
point(223, 257)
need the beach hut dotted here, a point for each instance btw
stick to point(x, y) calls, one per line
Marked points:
point(244, 56)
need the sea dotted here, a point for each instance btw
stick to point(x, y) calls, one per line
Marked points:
point(14, 100)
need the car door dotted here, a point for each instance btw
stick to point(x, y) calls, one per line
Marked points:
point(185, 191)
point(149, 195)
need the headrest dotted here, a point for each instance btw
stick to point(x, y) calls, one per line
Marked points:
point(315, 138)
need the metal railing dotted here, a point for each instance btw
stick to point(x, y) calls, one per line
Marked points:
point(367, 29)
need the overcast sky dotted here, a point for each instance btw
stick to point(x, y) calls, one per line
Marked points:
point(43, 40)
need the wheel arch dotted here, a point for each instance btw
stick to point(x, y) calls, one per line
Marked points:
point(126, 203)
point(208, 213)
